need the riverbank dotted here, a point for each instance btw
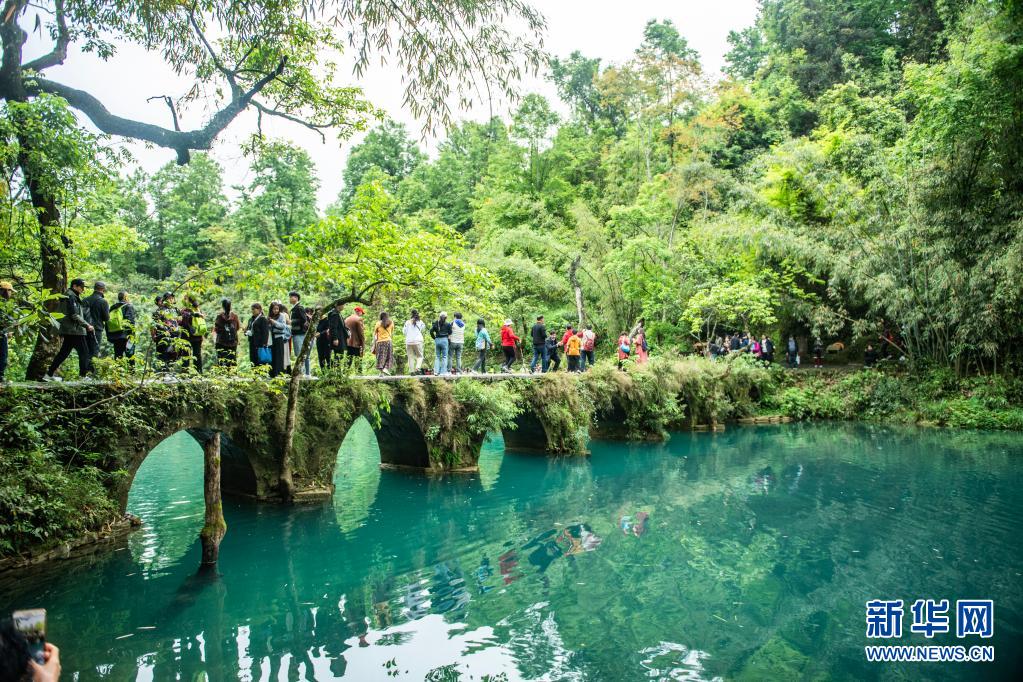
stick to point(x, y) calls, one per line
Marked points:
point(59, 482)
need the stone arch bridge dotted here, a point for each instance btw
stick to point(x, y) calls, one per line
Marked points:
point(430, 425)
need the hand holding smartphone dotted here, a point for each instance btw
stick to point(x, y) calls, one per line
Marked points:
point(32, 624)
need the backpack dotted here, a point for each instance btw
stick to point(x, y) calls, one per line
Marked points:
point(229, 335)
point(199, 325)
point(116, 323)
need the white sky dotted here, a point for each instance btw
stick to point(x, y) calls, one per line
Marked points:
point(609, 29)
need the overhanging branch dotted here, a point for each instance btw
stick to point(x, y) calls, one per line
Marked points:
point(182, 141)
point(59, 52)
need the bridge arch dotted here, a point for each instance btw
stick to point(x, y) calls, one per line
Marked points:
point(238, 473)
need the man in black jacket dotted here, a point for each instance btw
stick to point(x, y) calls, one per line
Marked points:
point(73, 332)
point(97, 312)
point(299, 328)
point(337, 332)
point(539, 337)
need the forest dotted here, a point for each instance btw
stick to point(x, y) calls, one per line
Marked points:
point(855, 177)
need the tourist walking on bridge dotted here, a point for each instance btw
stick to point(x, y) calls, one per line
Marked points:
point(258, 331)
point(121, 326)
point(483, 343)
point(440, 332)
point(589, 344)
point(413, 330)
point(299, 328)
point(337, 331)
point(323, 348)
point(508, 341)
point(538, 335)
point(280, 331)
point(456, 342)
point(96, 311)
point(383, 348)
point(356, 337)
point(73, 329)
point(6, 322)
point(195, 327)
point(226, 328)
point(573, 351)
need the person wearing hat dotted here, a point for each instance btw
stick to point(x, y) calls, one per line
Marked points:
point(97, 312)
point(6, 322)
point(73, 331)
point(441, 333)
point(356, 336)
point(508, 341)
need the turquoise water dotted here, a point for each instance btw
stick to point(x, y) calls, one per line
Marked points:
point(742, 555)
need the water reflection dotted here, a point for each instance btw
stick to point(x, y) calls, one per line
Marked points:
point(747, 554)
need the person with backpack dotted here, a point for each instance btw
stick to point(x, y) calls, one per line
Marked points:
point(258, 331)
point(456, 342)
point(508, 341)
point(589, 345)
point(96, 311)
point(766, 349)
point(640, 348)
point(793, 353)
point(440, 332)
point(226, 328)
point(121, 326)
point(299, 329)
point(195, 328)
point(165, 330)
point(413, 330)
point(483, 343)
point(624, 349)
point(73, 331)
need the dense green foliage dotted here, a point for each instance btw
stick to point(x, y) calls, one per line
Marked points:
point(856, 178)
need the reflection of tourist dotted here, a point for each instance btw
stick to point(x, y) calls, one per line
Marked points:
point(484, 571)
point(507, 564)
point(634, 526)
point(448, 590)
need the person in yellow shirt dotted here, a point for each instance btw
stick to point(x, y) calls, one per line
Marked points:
point(573, 349)
point(382, 345)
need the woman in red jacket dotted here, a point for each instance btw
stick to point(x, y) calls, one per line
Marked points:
point(508, 342)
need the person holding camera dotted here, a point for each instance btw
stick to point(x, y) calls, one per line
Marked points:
point(16, 661)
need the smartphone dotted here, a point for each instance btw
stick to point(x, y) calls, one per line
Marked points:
point(32, 624)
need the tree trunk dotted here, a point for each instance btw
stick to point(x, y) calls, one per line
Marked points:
point(573, 277)
point(215, 528)
point(53, 270)
point(286, 474)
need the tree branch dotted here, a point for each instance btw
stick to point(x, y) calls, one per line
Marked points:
point(170, 105)
point(180, 141)
point(263, 109)
point(59, 52)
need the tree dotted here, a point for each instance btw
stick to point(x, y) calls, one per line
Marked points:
point(737, 306)
point(387, 147)
point(281, 199)
point(272, 57)
point(188, 201)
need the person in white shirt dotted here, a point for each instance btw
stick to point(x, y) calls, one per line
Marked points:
point(455, 344)
point(413, 331)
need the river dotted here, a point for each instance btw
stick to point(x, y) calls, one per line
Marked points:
point(747, 554)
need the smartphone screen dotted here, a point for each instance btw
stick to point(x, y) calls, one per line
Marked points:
point(32, 624)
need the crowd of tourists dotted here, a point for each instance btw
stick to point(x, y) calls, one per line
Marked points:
point(276, 336)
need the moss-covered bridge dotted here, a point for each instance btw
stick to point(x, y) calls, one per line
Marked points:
point(425, 425)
